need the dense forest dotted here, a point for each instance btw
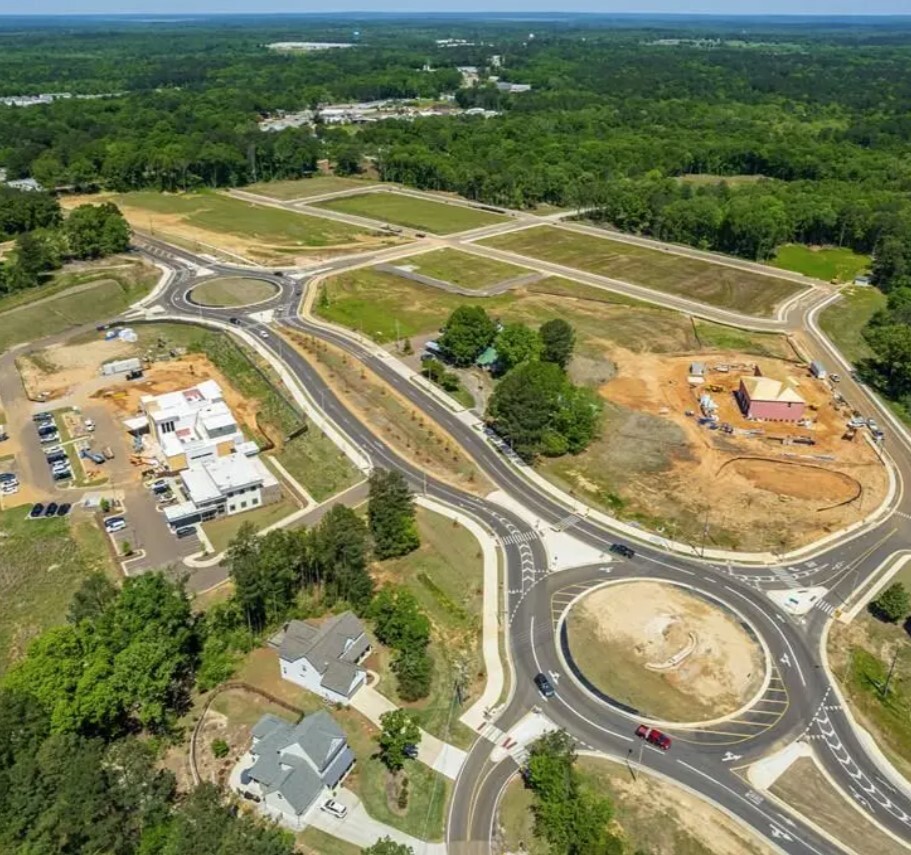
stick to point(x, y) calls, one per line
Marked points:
point(723, 134)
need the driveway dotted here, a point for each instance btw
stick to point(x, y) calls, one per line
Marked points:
point(359, 828)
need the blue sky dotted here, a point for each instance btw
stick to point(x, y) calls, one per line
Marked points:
point(723, 7)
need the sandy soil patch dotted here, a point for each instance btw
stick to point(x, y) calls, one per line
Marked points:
point(808, 791)
point(673, 474)
point(664, 651)
point(59, 369)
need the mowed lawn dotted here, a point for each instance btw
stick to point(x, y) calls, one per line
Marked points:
point(446, 576)
point(832, 263)
point(695, 279)
point(382, 305)
point(223, 530)
point(318, 464)
point(844, 320)
point(73, 298)
point(43, 563)
point(305, 188)
point(462, 268)
point(412, 212)
point(218, 213)
point(233, 291)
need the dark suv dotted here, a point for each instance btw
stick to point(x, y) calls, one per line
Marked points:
point(622, 549)
point(544, 685)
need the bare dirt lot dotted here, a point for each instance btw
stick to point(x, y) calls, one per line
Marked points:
point(664, 651)
point(750, 489)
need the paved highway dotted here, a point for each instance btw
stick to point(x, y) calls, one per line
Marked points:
point(709, 760)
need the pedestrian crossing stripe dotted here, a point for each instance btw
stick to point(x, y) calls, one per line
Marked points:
point(518, 537)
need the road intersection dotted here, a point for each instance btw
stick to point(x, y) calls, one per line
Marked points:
point(799, 699)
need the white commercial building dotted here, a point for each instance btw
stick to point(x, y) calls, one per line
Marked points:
point(189, 426)
point(223, 486)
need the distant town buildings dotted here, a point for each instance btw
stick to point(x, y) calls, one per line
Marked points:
point(308, 46)
point(364, 113)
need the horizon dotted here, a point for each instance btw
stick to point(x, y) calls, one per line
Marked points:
point(164, 14)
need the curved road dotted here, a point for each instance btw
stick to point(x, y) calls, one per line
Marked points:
point(708, 760)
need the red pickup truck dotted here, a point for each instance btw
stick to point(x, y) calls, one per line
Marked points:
point(655, 737)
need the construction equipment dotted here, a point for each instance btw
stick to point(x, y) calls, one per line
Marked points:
point(714, 388)
point(849, 434)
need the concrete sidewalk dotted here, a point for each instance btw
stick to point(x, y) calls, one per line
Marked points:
point(433, 752)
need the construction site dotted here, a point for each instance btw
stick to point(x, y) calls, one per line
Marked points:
point(728, 450)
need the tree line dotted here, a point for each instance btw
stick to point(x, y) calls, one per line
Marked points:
point(45, 240)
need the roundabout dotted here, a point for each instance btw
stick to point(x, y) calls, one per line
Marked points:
point(663, 652)
point(233, 292)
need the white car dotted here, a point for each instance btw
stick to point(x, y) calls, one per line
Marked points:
point(113, 524)
point(89, 424)
point(337, 809)
point(263, 334)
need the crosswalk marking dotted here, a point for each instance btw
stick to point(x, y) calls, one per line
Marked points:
point(823, 606)
point(518, 537)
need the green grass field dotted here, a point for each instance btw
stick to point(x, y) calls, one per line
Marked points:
point(462, 268)
point(380, 304)
point(719, 337)
point(412, 212)
point(318, 464)
point(829, 263)
point(233, 291)
point(221, 531)
point(695, 279)
point(446, 575)
point(305, 188)
point(43, 563)
point(73, 298)
point(218, 213)
point(844, 320)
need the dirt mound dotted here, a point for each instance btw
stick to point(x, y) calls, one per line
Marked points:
point(797, 480)
point(664, 651)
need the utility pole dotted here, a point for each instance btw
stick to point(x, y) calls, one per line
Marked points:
point(891, 671)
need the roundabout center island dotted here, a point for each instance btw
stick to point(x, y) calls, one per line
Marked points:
point(663, 651)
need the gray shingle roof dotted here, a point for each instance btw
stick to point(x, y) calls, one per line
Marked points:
point(296, 760)
point(339, 676)
point(340, 638)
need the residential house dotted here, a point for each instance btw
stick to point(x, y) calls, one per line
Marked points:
point(325, 659)
point(290, 767)
point(770, 400)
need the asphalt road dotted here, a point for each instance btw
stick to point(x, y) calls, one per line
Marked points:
point(706, 760)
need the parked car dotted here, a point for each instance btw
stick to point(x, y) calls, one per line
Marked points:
point(51, 437)
point(235, 321)
point(64, 509)
point(89, 424)
point(337, 809)
point(60, 465)
point(95, 457)
point(108, 452)
point(62, 475)
point(51, 509)
point(653, 736)
point(54, 449)
point(59, 457)
point(544, 685)
point(112, 524)
point(36, 511)
point(6, 477)
point(622, 549)
point(43, 415)
point(185, 531)
point(47, 430)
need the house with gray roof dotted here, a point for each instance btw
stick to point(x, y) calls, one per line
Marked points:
point(325, 658)
point(290, 767)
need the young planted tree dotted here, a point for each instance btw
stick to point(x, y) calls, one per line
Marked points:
point(398, 729)
point(391, 513)
point(387, 846)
